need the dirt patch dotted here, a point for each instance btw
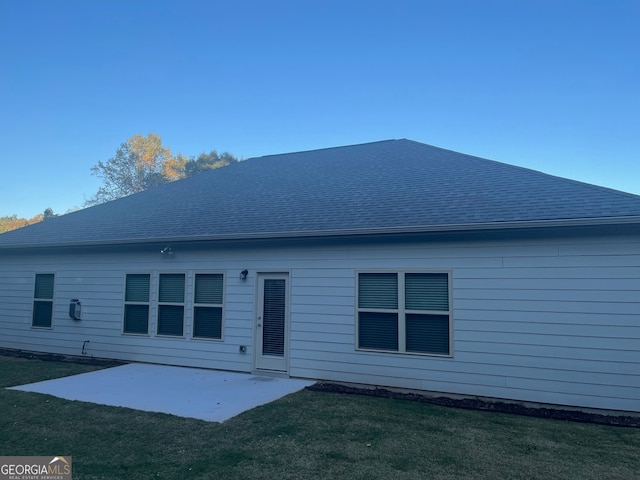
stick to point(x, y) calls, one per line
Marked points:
point(52, 357)
point(474, 403)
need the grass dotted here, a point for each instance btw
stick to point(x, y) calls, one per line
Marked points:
point(307, 435)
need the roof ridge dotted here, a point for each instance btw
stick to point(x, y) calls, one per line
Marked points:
point(390, 140)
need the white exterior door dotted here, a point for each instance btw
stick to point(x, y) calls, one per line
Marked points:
point(272, 322)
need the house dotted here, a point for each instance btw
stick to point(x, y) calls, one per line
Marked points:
point(391, 263)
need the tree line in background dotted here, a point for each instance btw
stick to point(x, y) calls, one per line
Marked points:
point(139, 163)
point(13, 222)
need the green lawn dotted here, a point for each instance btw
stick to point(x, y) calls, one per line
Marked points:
point(307, 435)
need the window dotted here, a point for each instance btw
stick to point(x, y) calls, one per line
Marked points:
point(207, 305)
point(136, 303)
point(169, 301)
point(404, 312)
point(171, 304)
point(43, 300)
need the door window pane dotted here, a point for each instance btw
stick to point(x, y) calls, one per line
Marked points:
point(274, 311)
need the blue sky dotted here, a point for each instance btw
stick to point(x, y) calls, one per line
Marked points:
point(548, 85)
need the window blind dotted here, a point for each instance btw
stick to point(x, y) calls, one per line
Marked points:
point(42, 313)
point(274, 310)
point(171, 288)
point(136, 319)
point(378, 290)
point(44, 286)
point(378, 331)
point(427, 333)
point(427, 291)
point(137, 288)
point(410, 316)
point(209, 288)
point(207, 322)
point(170, 320)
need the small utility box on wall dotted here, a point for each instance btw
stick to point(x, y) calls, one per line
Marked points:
point(75, 309)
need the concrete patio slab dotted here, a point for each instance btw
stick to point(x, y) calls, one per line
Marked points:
point(186, 392)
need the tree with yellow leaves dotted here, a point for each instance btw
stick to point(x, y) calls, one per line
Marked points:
point(139, 163)
point(13, 222)
point(143, 162)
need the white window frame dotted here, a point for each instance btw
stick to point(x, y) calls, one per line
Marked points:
point(148, 303)
point(43, 300)
point(192, 309)
point(154, 304)
point(402, 312)
point(182, 304)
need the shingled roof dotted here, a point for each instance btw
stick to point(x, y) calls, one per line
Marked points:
point(391, 186)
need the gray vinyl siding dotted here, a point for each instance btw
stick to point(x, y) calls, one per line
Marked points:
point(554, 321)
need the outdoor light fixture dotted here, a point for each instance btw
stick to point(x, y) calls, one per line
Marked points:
point(166, 251)
point(243, 274)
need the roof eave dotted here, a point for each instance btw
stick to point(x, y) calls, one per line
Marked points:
point(410, 230)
